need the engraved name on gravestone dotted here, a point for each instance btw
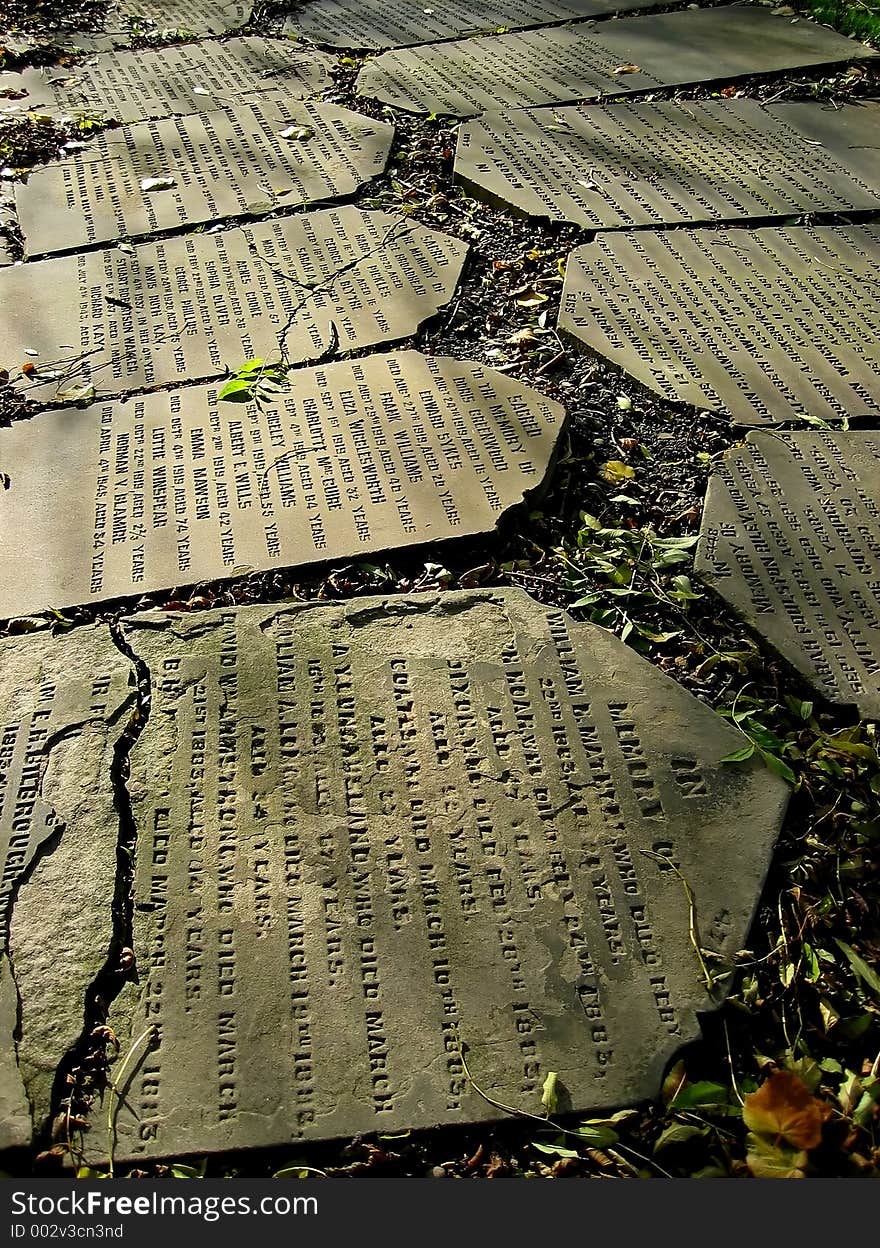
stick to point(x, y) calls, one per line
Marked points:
point(193, 307)
point(371, 833)
point(62, 703)
point(222, 164)
point(640, 164)
point(791, 540)
point(586, 60)
point(727, 319)
point(359, 457)
point(384, 24)
point(190, 78)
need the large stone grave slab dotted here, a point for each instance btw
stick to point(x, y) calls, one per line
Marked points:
point(193, 307)
point(222, 164)
point(360, 457)
point(791, 540)
point(585, 61)
point(373, 833)
point(189, 78)
point(384, 24)
point(63, 702)
point(729, 319)
point(663, 162)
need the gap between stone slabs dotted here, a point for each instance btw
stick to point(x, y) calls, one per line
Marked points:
point(197, 306)
point(665, 162)
point(586, 61)
point(373, 832)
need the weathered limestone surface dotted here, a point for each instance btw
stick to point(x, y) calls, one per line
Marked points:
point(791, 540)
point(585, 61)
point(358, 458)
point(767, 325)
point(223, 164)
point(372, 832)
point(63, 705)
point(189, 78)
point(385, 24)
point(196, 306)
point(665, 162)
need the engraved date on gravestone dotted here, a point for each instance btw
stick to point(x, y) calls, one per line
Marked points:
point(384, 24)
point(198, 306)
point(222, 164)
point(641, 164)
point(791, 540)
point(359, 457)
point(372, 833)
point(61, 712)
point(584, 60)
point(727, 319)
point(190, 78)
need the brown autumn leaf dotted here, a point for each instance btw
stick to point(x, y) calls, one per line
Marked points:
point(783, 1110)
point(627, 69)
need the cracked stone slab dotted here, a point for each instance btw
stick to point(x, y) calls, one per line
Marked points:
point(63, 702)
point(791, 541)
point(166, 490)
point(384, 24)
point(371, 832)
point(664, 162)
point(189, 78)
point(726, 319)
point(223, 164)
point(585, 61)
point(194, 307)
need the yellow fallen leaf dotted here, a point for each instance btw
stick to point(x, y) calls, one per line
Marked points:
point(785, 1112)
point(616, 471)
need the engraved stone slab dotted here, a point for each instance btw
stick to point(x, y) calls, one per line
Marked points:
point(193, 307)
point(647, 163)
point(223, 163)
point(190, 78)
point(62, 703)
point(142, 17)
point(727, 319)
point(370, 833)
point(360, 457)
point(791, 540)
point(383, 24)
point(555, 64)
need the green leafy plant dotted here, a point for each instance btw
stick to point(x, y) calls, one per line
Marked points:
point(257, 381)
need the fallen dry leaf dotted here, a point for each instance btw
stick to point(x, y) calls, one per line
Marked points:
point(784, 1111)
point(627, 69)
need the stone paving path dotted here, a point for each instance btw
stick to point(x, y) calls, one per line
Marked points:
point(365, 834)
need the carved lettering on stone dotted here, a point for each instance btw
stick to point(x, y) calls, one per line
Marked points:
point(651, 163)
point(136, 86)
point(194, 307)
point(221, 164)
point(383, 24)
point(62, 703)
point(577, 62)
point(726, 319)
point(359, 457)
point(791, 540)
point(372, 833)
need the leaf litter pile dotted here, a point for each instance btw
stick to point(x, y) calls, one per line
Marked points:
point(786, 1081)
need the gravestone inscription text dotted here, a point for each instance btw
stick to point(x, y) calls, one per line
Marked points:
point(357, 458)
point(727, 319)
point(791, 540)
point(373, 833)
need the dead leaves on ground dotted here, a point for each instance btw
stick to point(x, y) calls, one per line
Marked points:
point(785, 1123)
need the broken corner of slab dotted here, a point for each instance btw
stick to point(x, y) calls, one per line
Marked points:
point(371, 833)
point(791, 541)
point(64, 702)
